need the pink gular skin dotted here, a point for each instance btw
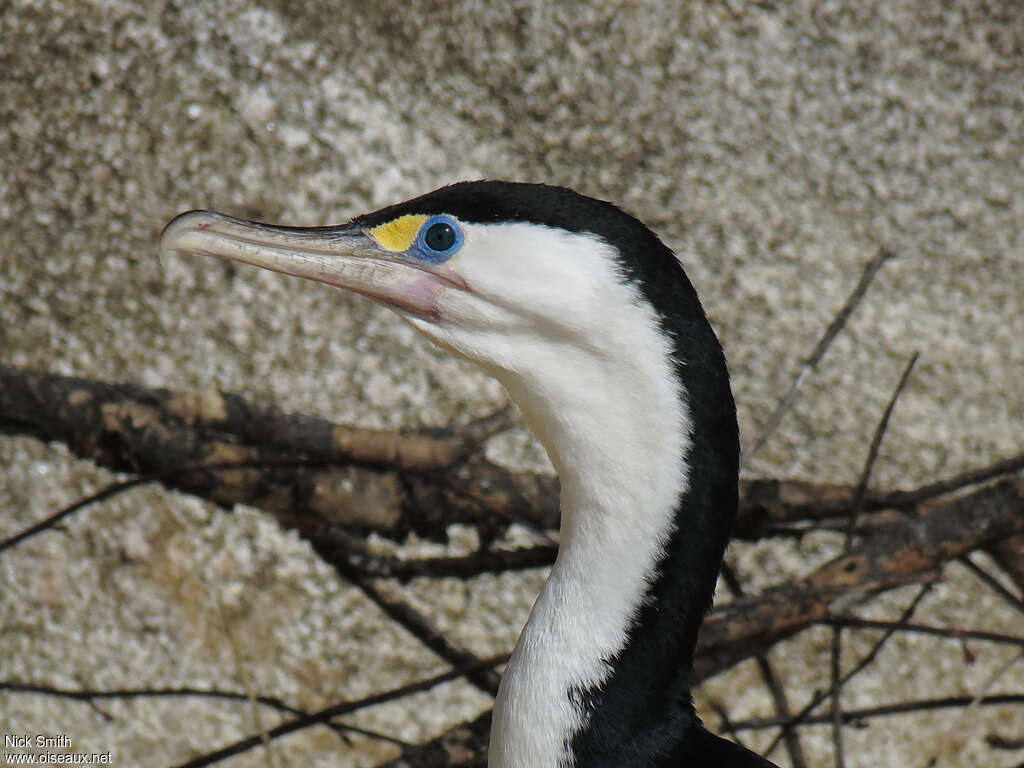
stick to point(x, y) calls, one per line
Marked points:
point(417, 295)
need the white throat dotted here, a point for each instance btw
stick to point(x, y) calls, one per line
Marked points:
point(617, 430)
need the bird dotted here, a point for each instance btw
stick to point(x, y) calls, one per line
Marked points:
point(589, 321)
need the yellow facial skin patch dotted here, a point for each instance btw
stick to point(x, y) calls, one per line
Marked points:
point(398, 234)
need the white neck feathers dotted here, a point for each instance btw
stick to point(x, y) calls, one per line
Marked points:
point(616, 427)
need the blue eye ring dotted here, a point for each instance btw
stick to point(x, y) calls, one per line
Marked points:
point(438, 239)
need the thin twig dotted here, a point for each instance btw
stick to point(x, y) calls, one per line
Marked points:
point(869, 462)
point(89, 696)
point(856, 715)
point(915, 496)
point(851, 527)
point(370, 734)
point(837, 710)
point(346, 556)
point(793, 745)
point(341, 708)
point(1014, 602)
point(124, 485)
point(246, 678)
point(996, 741)
point(951, 633)
point(819, 696)
point(49, 522)
point(417, 625)
point(993, 679)
point(831, 332)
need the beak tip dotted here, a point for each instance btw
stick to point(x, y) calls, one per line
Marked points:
point(180, 227)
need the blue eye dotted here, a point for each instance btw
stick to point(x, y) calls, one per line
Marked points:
point(439, 238)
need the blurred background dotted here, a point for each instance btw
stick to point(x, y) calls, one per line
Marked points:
point(775, 147)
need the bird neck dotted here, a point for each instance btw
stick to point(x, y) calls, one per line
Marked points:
point(600, 675)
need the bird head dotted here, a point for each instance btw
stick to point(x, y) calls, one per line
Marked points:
point(502, 273)
point(570, 302)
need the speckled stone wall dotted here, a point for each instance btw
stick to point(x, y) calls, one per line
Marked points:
point(775, 147)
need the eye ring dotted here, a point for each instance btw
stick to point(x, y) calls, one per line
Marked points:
point(438, 239)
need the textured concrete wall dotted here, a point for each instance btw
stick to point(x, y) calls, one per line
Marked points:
point(776, 148)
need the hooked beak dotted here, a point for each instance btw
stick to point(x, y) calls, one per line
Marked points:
point(344, 256)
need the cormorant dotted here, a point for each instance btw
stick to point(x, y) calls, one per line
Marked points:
point(590, 323)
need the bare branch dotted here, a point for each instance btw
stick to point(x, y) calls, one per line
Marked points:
point(831, 332)
point(85, 695)
point(307, 492)
point(771, 506)
point(302, 469)
point(49, 522)
point(953, 633)
point(839, 682)
point(464, 567)
point(484, 678)
point(1011, 599)
point(913, 551)
point(775, 687)
point(341, 708)
point(957, 482)
point(857, 715)
point(402, 485)
point(837, 710)
point(869, 462)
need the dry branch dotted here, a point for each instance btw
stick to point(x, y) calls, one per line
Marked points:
point(334, 483)
point(308, 472)
point(914, 551)
point(831, 332)
point(316, 476)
